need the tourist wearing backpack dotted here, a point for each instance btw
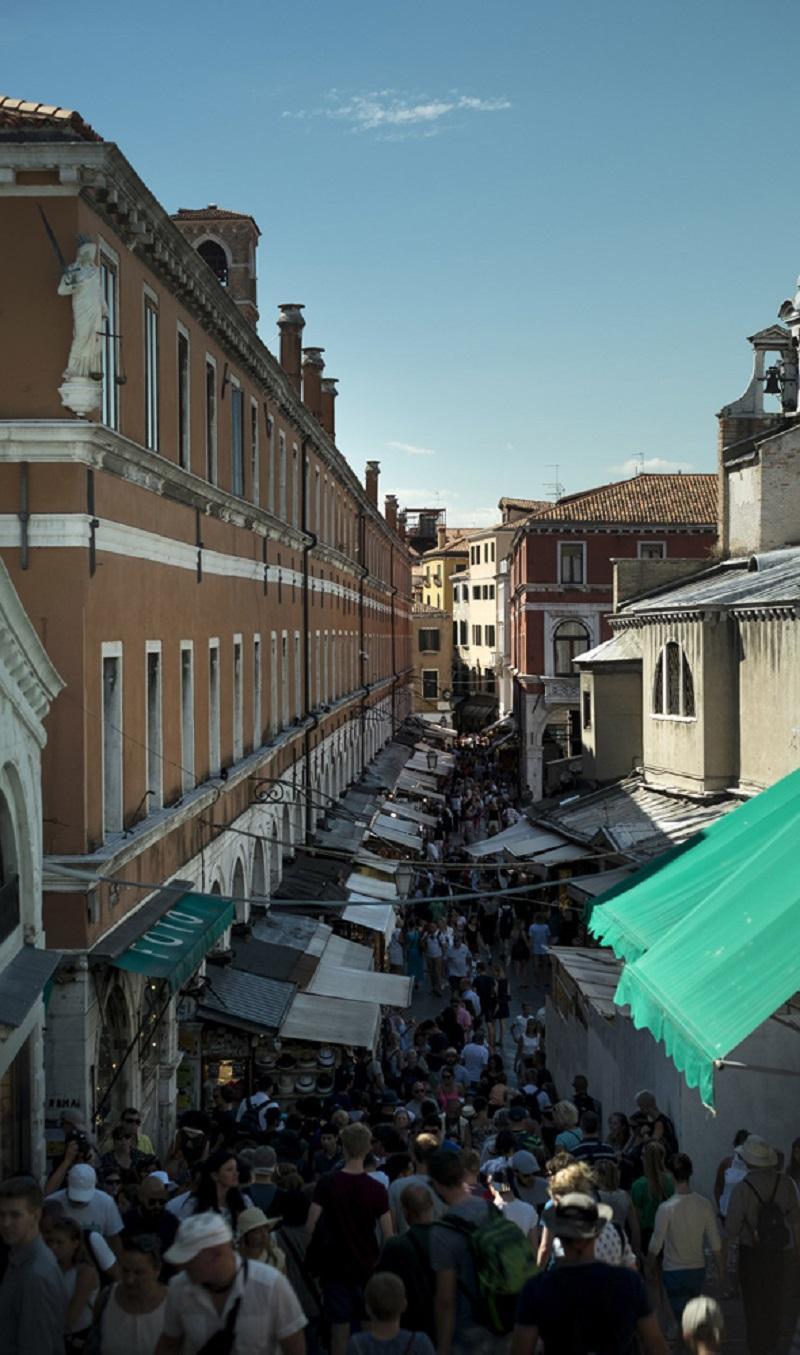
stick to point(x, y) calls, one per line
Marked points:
point(481, 1261)
point(764, 1218)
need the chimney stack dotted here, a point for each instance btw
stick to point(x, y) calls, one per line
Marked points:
point(291, 325)
point(371, 481)
point(327, 406)
point(441, 537)
point(390, 511)
point(313, 366)
point(401, 525)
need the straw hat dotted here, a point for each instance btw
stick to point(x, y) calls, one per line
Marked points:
point(756, 1152)
point(253, 1218)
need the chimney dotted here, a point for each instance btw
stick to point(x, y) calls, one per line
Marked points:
point(401, 525)
point(327, 406)
point(390, 511)
point(313, 366)
point(371, 481)
point(441, 537)
point(291, 325)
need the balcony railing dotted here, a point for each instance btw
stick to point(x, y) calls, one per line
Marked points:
point(561, 691)
point(9, 907)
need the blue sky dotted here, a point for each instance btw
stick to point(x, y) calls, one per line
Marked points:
point(527, 234)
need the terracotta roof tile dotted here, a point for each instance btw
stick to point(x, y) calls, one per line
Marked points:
point(656, 499)
point(23, 116)
point(210, 213)
point(511, 501)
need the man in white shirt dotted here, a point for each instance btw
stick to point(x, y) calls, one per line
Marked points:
point(258, 1103)
point(518, 1211)
point(458, 958)
point(474, 1057)
point(216, 1292)
point(90, 1207)
point(520, 1022)
point(683, 1224)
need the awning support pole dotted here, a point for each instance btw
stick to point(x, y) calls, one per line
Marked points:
point(722, 1064)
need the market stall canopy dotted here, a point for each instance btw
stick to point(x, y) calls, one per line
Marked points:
point(332, 1020)
point(375, 917)
point(595, 974)
point(389, 990)
point(391, 830)
point(419, 785)
point(403, 809)
point(23, 982)
point(590, 886)
point(523, 840)
point(368, 887)
point(245, 1001)
point(168, 937)
point(349, 954)
point(711, 933)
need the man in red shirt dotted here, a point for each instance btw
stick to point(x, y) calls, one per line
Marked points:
point(341, 1223)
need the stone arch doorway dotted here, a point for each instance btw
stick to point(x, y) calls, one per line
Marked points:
point(239, 892)
point(259, 888)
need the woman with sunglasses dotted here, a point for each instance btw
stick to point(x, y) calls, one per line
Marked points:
point(124, 1159)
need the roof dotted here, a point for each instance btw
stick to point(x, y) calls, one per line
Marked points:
point(211, 213)
point(529, 505)
point(710, 933)
point(23, 981)
point(658, 500)
point(595, 973)
point(755, 581)
point(245, 1001)
point(622, 648)
point(635, 820)
point(349, 953)
point(27, 120)
point(336, 980)
point(332, 1020)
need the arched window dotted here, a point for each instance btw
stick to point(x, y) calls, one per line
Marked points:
point(673, 684)
point(570, 639)
point(216, 258)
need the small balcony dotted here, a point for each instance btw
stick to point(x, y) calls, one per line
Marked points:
point(562, 691)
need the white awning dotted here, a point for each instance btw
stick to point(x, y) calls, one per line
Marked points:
point(369, 887)
point(332, 1020)
point(403, 809)
point(349, 954)
point(592, 885)
point(389, 990)
point(376, 917)
point(518, 834)
point(421, 786)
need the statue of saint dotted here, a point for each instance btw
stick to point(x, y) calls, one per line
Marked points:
point(82, 281)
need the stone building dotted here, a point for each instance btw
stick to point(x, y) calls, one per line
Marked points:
point(480, 599)
point(223, 598)
point(28, 685)
point(561, 593)
point(432, 647)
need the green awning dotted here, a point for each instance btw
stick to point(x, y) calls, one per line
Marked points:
point(633, 916)
point(722, 951)
point(176, 944)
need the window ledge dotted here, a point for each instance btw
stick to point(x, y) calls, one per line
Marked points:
point(681, 719)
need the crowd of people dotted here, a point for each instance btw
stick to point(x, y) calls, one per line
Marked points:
point(447, 1195)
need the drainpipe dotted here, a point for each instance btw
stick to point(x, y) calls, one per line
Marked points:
point(307, 714)
point(362, 555)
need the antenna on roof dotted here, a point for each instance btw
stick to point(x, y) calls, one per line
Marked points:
point(638, 458)
point(554, 487)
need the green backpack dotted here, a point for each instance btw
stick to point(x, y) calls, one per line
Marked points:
point(503, 1263)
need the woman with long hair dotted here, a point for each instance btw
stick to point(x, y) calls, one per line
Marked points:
point(619, 1131)
point(81, 1281)
point(653, 1187)
point(218, 1188)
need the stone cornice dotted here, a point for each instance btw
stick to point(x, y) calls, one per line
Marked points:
point(107, 182)
point(25, 668)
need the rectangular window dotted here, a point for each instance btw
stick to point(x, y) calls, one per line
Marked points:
point(285, 678)
point(489, 636)
point(586, 704)
point(237, 440)
point(486, 552)
point(462, 633)
point(430, 684)
point(184, 405)
point(211, 421)
point(154, 735)
point(571, 562)
point(455, 632)
point(274, 706)
point(112, 739)
point(187, 716)
point(298, 686)
point(491, 552)
point(318, 668)
point(476, 591)
point(652, 550)
point(429, 640)
point(317, 519)
point(270, 463)
point(257, 725)
point(485, 591)
point(110, 368)
point(150, 375)
point(282, 476)
point(214, 761)
point(325, 667)
point(295, 486)
point(477, 635)
point(491, 591)
point(238, 699)
point(255, 454)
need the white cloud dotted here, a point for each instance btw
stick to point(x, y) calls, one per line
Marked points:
point(654, 464)
point(411, 449)
point(395, 116)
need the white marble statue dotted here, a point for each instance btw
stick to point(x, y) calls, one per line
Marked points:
point(81, 390)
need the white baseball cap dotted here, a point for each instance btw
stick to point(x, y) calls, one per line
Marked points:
point(195, 1234)
point(81, 1183)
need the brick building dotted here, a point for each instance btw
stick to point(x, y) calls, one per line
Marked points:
point(561, 593)
point(218, 590)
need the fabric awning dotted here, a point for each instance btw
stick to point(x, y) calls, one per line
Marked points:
point(711, 933)
point(366, 885)
point(375, 917)
point(349, 953)
point(244, 1001)
point(332, 1020)
point(403, 809)
point(389, 990)
point(591, 886)
point(23, 982)
point(174, 946)
point(518, 832)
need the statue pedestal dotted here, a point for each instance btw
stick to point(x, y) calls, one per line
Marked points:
point(81, 394)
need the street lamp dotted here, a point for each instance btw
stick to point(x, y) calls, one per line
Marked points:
point(431, 758)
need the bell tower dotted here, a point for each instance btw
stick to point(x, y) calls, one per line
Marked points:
point(227, 241)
